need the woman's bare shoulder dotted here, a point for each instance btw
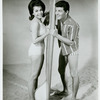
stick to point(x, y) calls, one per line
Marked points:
point(34, 22)
point(34, 25)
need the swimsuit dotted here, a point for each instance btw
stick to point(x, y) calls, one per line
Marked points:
point(38, 48)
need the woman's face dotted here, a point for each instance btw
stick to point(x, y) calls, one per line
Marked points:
point(38, 12)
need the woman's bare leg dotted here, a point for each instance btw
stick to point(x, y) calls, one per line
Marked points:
point(37, 63)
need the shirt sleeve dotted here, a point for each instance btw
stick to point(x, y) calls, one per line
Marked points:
point(74, 35)
point(73, 32)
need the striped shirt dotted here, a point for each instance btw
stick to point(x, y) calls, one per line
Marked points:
point(70, 30)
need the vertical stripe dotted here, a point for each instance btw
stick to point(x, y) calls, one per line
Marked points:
point(64, 28)
point(75, 44)
point(61, 27)
point(71, 49)
point(65, 48)
point(67, 33)
point(71, 33)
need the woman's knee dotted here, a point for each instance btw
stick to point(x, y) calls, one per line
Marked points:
point(36, 66)
point(33, 78)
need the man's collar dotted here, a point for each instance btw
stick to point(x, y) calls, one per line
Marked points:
point(64, 21)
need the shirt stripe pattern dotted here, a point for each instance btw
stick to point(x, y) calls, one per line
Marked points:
point(70, 30)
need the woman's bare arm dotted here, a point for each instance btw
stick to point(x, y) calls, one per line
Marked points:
point(35, 29)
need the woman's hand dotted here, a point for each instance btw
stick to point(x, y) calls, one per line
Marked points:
point(48, 29)
point(55, 32)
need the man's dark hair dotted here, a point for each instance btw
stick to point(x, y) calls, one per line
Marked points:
point(63, 4)
point(46, 21)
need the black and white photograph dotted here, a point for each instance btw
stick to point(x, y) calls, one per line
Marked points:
point(50, 50)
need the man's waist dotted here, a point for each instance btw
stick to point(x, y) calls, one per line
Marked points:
point(66, 49)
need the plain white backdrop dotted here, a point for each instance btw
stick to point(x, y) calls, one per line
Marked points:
point(1, 91)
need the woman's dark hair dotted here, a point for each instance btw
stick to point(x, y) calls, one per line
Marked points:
point(63, 4)
point(35, 3)
point(46, 21)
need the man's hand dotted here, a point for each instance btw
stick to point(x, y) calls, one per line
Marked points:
point(55, 32)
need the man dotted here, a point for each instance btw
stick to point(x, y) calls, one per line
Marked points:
point(69, 41)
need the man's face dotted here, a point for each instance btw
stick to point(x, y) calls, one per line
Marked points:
point(60, 13)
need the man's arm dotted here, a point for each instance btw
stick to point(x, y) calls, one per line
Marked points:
point(63, 39)
point(73, 31)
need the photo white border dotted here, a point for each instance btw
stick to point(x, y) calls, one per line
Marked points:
point(1, 51)
point(1, 38)
point(98, 49)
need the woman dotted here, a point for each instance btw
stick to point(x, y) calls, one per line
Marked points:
point(36, 50)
